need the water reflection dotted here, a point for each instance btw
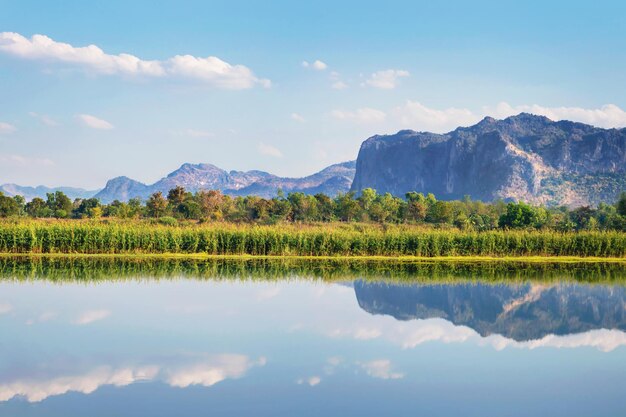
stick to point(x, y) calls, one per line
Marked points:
point(91, 337)
point(181, 371)
point(519, 312)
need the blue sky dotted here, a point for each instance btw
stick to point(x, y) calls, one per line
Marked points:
point(70, 116)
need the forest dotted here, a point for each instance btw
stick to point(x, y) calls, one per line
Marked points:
point(180, 207)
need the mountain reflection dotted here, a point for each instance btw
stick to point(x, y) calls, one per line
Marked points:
point(519, 312)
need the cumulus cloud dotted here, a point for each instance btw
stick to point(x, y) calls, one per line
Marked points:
point(92, 315)
point(381, 369)
point(297, 117)
point(339, 85)
point(364, 115)
point(6, 128)
point(269, 150)
point(386, 79)
point(44, 119)
point(417, 116)
point(210, 70)
point(316, 65)
point(607, 116)
point(94, 122)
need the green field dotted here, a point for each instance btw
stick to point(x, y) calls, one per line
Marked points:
point(312, 240)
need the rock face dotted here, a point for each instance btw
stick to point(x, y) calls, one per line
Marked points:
point(31, 192)
point(195, 177)
point(523, 157)
point(519, 312)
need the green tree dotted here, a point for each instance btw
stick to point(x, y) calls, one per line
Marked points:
point(59, 203)
point(156, 205)
point(8, 206)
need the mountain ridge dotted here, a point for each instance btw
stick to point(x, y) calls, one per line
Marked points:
point(523, 157)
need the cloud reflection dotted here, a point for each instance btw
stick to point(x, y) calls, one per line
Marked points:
point(205, 370)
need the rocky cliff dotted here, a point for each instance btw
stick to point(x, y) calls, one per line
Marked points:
point(523, 157)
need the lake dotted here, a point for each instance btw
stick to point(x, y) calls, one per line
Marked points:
point(258, 338)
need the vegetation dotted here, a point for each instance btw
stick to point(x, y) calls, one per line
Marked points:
point(369, 207)
point(100, 269)
point(337, 239)
point(371, 224)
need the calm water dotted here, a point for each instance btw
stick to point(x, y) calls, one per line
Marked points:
point(302, 345)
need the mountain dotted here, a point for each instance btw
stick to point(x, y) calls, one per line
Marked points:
point(194, 177)
point(31, 192)
point(523, 157)
point(519, 312)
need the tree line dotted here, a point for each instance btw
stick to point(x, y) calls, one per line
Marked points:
point(369, 206)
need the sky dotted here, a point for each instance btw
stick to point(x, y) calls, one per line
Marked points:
point(92, 90)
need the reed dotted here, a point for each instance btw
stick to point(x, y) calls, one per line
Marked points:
point(76, 237)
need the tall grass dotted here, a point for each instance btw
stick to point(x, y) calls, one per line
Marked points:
point(280, 240)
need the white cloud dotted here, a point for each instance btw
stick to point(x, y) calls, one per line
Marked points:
point(206, 371)
point(215, 71)
point(94, 122)
point(339, 85)
point(92, 315)
point(607, 116)
point(211, 70)
point(44, 119)
point(363, 115)
point(316, 65)
point(415, 115)
point(387, 79)
point(6, 128)
point(297, 117)
point(35, 391)
point(312, 381)
point(5, 308)
point(381, 369)
point(215, 369)
point(359, 333)
point(269, 150)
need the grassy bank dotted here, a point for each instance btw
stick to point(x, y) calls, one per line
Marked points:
point(332, 240)
point(106, 268)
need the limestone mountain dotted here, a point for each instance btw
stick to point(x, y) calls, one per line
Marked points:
point(523, 157)
point(195, 177)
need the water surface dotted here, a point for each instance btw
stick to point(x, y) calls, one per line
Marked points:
point(104, 338)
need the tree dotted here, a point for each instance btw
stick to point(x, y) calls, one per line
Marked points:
point(8, 206)
point(519, 216)
point(176, 196)
point(621, 204)
point(347, 207)
point(438, 212)
point(59, 203)
point(37, 208)
point(89, 207)
point(367, 197)
point(210, 203)
point(156, 205)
